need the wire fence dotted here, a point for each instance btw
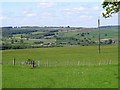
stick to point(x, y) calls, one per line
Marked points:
point(57, 63)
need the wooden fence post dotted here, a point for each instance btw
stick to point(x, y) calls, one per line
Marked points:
point(38, 63)
point(99, 62)
point(13, 61)
point(78, 63)
point(66, 63)
point(110, 62)
point(47, 64)
point(107, 62)
point(55, 64)
point(1, 62)
point(33, 63)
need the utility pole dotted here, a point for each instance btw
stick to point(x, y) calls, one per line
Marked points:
point(99, 36)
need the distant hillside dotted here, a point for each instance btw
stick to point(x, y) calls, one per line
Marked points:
point(111, 27)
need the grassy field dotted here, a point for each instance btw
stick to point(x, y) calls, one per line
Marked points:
point(93, 34)
point(88, 74)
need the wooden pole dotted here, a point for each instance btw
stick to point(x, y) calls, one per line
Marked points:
point(78, 63)
point(38, 63)
point(13, 61)
point(47, 64)
point(110, 62)
point(99, 36)
point(33, 63)
point(100, 62)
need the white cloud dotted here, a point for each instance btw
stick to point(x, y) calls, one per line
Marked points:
point(96, 8)
point(86, 16)
point(47, 14)
point(51, 0)
point(46, 4)
point(3, 18)
point(111, 0)
point(29, 13)
point(74, 10)
point(82, 9)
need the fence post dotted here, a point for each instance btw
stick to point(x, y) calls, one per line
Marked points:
point(38, 63)
point(1, 62)
point(78, 63)
point(99, 62)
point(47, 63)
point(13, 61)
point(55, 64)
point(107, 62)
point(67, 62)
point(33, 63)
point(110, 62)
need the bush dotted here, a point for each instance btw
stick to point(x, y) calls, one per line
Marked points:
point(38, 42)
point(6, 46)
point(15, 46)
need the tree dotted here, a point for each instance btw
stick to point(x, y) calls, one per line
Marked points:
point(68, 26)
point(111, 7)
point(21, 41)
point(21, 36)
point(12, 41)
point(27, 38)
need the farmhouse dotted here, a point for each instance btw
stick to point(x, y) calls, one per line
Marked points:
point(104, 40)
point(108, 41)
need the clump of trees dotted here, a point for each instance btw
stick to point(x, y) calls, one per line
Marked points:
point(40, 42)
point(6, 46)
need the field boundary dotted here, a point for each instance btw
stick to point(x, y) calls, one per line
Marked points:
point(47, 63)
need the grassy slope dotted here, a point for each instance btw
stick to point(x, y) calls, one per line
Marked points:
point(111, 33)
point(63, 76)
point(72, 77)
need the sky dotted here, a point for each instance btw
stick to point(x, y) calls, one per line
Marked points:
point(54, 13)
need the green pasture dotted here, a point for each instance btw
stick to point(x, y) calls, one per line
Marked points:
point(88, 74)
point(93, 34)
point(38, 40)
point(38, 32)
point(18, 35)
point(30, 41)
point(106, 33)
point(60, 77)
point(75, 53)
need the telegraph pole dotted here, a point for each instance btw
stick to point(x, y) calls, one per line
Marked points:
point(99, 36)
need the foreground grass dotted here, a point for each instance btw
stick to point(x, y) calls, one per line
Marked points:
point(58, 77)
point(72, 76)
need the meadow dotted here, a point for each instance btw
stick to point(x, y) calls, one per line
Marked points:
point(63, 70)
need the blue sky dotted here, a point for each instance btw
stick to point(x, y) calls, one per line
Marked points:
point(47, 13)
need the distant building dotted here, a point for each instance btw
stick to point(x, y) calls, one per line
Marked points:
point(108, 41)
